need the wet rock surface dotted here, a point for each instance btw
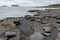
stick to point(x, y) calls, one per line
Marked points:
point(37, 36)
point(45, 25)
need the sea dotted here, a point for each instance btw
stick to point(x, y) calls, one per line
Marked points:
point(17, 11)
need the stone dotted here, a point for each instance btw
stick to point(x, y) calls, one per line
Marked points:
point(44, 22)
point(10, 34)
point(37, 36)
point(47, 29)
point(58, 21)
point(58, 29)
point(46, 34)
point(58, 17)
point(58, 36)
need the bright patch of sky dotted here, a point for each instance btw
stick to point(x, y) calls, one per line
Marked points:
point(29, 2)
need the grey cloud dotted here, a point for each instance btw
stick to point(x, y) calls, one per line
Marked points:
point(31, 2)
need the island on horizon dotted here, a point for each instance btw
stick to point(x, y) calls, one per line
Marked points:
point(53, 6)
point(14, 5)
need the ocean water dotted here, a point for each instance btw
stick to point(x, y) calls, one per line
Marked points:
point(15, 11)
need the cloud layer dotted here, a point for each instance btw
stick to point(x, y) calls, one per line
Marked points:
point(29, 2)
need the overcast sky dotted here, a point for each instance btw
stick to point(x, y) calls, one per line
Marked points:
point(29, 2)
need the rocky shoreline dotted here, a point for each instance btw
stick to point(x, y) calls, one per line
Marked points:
point(44, 25)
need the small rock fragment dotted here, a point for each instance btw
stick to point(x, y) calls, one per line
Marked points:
point(46, 34)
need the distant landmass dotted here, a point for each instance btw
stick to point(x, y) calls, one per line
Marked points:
point(53, 6)
point(50, 6)
point(14, 5)
point(4, 6)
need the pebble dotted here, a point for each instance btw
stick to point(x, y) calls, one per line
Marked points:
point(7, 34)
point(47, 29)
